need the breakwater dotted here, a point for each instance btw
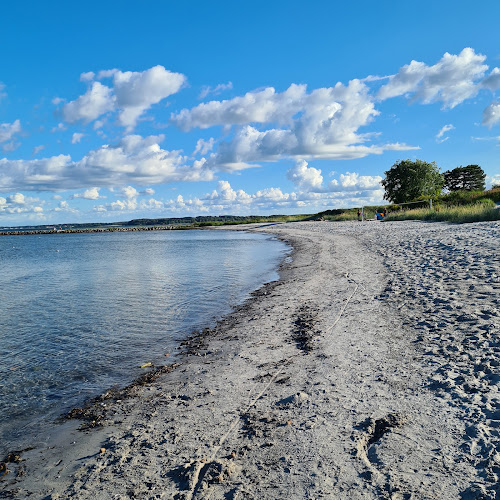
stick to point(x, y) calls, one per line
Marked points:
point(93, 230)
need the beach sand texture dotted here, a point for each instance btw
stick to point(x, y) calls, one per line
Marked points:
point(370, 370)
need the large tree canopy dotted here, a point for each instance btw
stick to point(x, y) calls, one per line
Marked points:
point(407, 180)
point(469, 178)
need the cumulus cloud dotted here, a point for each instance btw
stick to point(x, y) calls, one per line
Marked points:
point(451, 80)
point(440, 135)
point(203, 147)
point(89, 194)
point(77, 137)
point(130, 203)
point(352, 181)
point(356, 192)
point(492, 81)
point(491, 115)
point(138, 91)
point(304, 177)
point(18, 203)
point(8, 131)
point(132, 93)
point(129, 192)
point(134, 160)
point(324, 123)
point(327, 123)
point(87, 77)
point(221, 87)
point(17, 199)
point(98, 99)
point(263, 106)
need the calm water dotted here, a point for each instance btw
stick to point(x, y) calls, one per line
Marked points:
point(80, 313)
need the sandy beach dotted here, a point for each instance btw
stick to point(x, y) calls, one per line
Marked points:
point(369, 370)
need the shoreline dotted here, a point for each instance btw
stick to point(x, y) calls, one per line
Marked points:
point(88, 412)
point(334, 381)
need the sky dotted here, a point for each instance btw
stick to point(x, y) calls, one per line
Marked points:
point(117, 110)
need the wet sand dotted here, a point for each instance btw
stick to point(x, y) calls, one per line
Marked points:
point(370, 370)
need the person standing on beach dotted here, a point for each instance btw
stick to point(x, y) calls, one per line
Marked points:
point(359, 215)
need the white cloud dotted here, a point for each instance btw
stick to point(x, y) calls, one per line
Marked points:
point(304, 177)
point(151, 204)
point(221, 87)
point(107, 73)
point(137, 92)
point(18, 203)
point(263, 106)
point(37, 149)
point(358, 191)
point(89, 194)
point(87, 77)
point(442, 132)
point(17, 199)
point(9, 130)
point(129, 192)
point(10, 146)
point(492, 81)
point(489, 138)
point(60, 127)
point(57, 100)
point(452, 80)
point(321, 124)
point(491, 115)
point(98, 100)
point(147, 192)
point(492, 180)
point(65, 207)
point(77, 137)
point(352, 181)
point(2, 93)
point(134, 160)
point(203, 147)
point(130, 205)
point(132, 94)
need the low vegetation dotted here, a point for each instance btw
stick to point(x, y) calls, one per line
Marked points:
point(477, 212)
point(457, 206)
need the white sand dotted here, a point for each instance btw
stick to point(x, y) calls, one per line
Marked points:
point(369, 371)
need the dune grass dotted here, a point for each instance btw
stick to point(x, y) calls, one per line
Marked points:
point(478, 212)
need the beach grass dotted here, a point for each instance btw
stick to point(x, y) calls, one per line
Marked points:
point(477, 212)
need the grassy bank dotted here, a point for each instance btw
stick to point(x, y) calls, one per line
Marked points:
point(478, 212)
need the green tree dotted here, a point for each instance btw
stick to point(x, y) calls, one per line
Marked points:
point(408, 180)
point(469, 178)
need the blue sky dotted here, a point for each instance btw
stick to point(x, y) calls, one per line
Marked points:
point(114, 110)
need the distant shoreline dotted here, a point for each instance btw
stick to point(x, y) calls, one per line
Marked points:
point(96, 230)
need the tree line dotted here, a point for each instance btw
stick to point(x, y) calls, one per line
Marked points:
point(409, 180)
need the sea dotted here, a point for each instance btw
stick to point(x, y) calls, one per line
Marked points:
point(80, 313)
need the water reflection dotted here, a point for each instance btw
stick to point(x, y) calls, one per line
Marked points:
point(81, 312)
